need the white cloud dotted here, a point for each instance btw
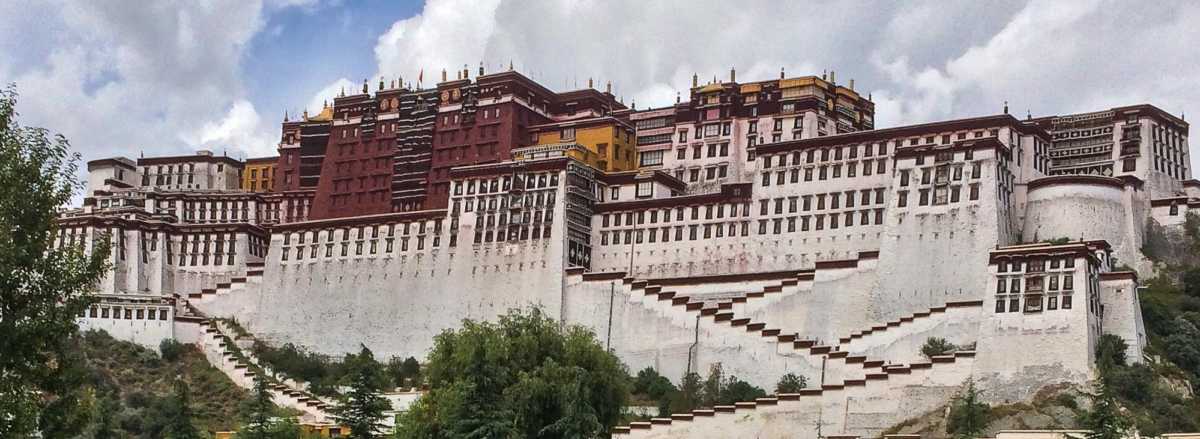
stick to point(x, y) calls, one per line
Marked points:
point(159, 78)
point(240, 130)
point(445, 35)
point(326, 94)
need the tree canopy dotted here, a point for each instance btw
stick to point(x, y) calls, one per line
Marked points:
point(43, 287)
point(524, 376)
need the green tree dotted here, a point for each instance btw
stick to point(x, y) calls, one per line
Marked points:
point(736, 390)
point(1104, 419)
point(689, 396)
point(105, 423)
point(935, 346)
point(1191, 282)
point(404, 373)
point(523, 376)
point(1110, 352)
point(178, 414)
point(791, 383)
point(714, 386)
point(43, 287)
point(362, 408)
point(968, 415)
point(256, 415)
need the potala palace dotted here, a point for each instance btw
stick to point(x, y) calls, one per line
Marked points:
point(767, 226)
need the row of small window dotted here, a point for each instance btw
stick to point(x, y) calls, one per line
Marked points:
point(806, 202)
point(711, 211)
point(361, 232)
point(490, 220)
point(1035, 284)
point(512, 233)
point(1033, 302)
point(866, 217)
point(1035, 265)
point(504, 184)
point(701, 151)
point(694, 232)
point(117, 312)
point(216, 211)
point(709, 130)
point(534, 200)
point(371, 246)
point(713, 172)
point(941, 174)
point(797, 123)
point(941, 195)
point(825, 154)
point(825, 172)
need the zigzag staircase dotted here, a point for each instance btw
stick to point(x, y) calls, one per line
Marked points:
point(725, 312)
point(243, 368)
point(910, 372)
point(254, 274)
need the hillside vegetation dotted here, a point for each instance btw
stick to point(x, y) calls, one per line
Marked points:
point(135, 387)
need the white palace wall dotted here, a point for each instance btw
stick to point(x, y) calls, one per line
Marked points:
point(1089, 208)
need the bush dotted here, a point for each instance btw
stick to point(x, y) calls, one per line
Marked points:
point(1110, 351)
point(651, 384)
point(404, 373)
point(170, 349)
point(937, 346)
point(790, 383)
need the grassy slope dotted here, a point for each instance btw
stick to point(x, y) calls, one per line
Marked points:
point(141, 379)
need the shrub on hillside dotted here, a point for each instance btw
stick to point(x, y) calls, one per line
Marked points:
point(791, 383)
point(170, 349)
point(937, 346)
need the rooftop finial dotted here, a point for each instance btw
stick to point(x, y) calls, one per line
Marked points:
point(481, 68)
point(305, 114)
point(364, 85)
point(590, 82)
point(695, 80)
point(342, 94)
point(732, 75)
point(466, 72)
point(824, 74)
point(608, 87)
point(833, 76)
point(1005, 107)
point(285, 115)
point(510, 67)
point(381, 83)
point(443, 75)
point(633, 104)
point(1028, 114)
point(852, 84)
point(781, 74)
point(677, 97)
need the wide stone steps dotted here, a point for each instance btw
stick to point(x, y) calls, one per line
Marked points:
point(722, 318)
point(902, 374)
point(242, 371)
point(254, 274)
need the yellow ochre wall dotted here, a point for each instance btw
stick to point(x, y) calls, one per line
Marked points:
point(264, 180)
point(616, 138)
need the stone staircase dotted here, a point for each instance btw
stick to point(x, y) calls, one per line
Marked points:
point(722, 319)
point(253, 276)
point(880, 393)
point(224, 353)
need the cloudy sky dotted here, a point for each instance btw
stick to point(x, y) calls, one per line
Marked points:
point(132, 77)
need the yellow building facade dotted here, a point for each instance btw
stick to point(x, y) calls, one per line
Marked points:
point(259, 174)
point(607, 142)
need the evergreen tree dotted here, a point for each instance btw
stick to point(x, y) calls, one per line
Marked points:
point(257, 414)
point(43, 287)
point(968, 415)
point(1104, 420)
point(179, 414)
point(362, 409)
point(105, 421)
